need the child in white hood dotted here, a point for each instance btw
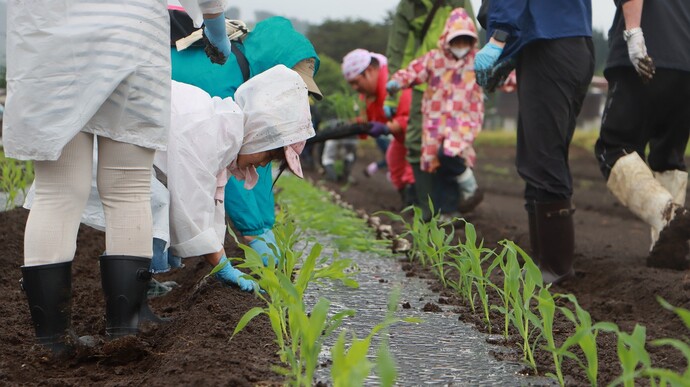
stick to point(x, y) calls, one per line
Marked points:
point(211, 138)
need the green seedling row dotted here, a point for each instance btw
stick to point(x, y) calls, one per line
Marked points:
point(313, 209)
point(300, 331)
point(529, 307)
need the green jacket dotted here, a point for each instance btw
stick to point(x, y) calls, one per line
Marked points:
point(406, 43)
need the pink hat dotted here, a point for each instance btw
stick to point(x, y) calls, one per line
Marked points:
point(457, 33)
point(355, 62)
point(292, 153)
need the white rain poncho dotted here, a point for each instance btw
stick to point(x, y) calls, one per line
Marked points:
point(102, 67)
point(206, 136)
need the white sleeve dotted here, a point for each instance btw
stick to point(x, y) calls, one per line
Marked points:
point(202, 136)
point(197, 8)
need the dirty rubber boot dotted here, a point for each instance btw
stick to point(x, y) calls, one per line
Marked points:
point(408, 196)
point(423, 188)
point(125, 281)
point(347, 172)
point(49, 292)
point(634, 185)
point(676, 183)
point(470, 194)
point(533, 235)
point(555, 239)
point(331, 174)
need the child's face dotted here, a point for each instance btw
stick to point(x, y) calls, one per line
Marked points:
point(461, 42)
point(259, 159)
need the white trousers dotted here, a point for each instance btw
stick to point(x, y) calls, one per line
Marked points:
point(62, 190)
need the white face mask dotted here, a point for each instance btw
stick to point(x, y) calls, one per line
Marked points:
point(460, 52)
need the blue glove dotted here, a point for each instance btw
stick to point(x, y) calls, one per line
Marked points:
point(262, 245)
point(215, 32)
point(232, 276)
point(393, 87)
point(389, 111)
point(484, 61)
point(377, 129)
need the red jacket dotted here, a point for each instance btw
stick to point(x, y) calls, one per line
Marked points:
point(375, 111)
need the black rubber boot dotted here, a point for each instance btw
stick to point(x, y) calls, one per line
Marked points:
point(125, 281)
point(49, 292)
point(347, 172)
point(533, 236)
point(410, 195)
point(331, 174)
point(407, 196)
point(423, 188)
point(556, 239)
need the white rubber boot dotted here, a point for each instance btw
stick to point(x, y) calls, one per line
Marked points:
point(633, 183)
point(676, 183)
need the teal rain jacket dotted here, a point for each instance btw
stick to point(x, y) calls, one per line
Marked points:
point(272, 42)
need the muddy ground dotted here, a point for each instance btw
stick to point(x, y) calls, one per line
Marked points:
point(192, 350)
point(612, 282)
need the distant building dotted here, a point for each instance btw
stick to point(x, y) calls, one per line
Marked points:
point(502, 109)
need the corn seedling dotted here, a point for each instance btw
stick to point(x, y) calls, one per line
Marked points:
point(547, 310)
point(299, 333)
point(16, 177)
point(312, 209)
point(439, 244)
point(585, 337)
point(665, 376)
point(509, 265)
point(347, 105)
point(634, 358)
point(351, 366)
point(385, 364)
point(420, 232)
point(463, 286)
point(479, 276)
point(519, 298)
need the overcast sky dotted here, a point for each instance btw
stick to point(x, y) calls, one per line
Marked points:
point(316, 11)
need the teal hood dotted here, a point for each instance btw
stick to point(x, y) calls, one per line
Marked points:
point(275, 41)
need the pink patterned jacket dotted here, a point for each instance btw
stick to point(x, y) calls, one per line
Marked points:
point(453, 105)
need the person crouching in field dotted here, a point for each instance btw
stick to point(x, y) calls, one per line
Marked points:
point(212, 138)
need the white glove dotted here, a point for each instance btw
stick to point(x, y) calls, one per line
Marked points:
point(637, 52)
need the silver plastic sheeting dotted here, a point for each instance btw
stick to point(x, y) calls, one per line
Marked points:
point(440, 351)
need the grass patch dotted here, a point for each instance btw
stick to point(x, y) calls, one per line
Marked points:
point(581, 138)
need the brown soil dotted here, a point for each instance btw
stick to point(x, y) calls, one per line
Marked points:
point(612, 280)
point(193, 349)
point(612, 283)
